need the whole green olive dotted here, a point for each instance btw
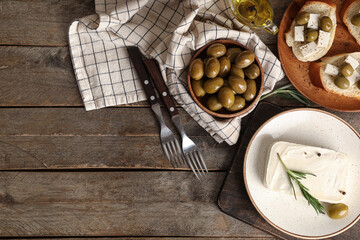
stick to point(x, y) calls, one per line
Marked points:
point(252, 71)
point(235, 71)
point(238, 84)
point(216, 50)
point(225, 66)
point(239, 104)
point(213, 103)
point(226, 97)
point(250, 92)
point(198, 87)
point(342, 82)
point(226, 84)
point(338, 211)
point(356, 20)
point(213, 85)
point(197, 69)
point(212, 67)
point(302, 18)
point(326, 24)
point(311, 35)
point(346, 70)
point(232, 53)
point(244, 59)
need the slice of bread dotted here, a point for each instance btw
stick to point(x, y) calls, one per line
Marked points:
point(349, 9)
point(324, 8)
point(320, 79)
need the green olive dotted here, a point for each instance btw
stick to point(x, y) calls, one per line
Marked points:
point(225, 66)
point(347, 70)
point(239, 104)
point(198, 87)
point(232, 53)
point(238, 84)
point(338, 211)
point(311, 35)
point(226, 84)
point(356, 20)
point(250, 92)
point(235, 71)
point(216, 50)
point(326, 24)
point(226, 97)
point(213, 85)
point(197, 69)
point(244, 59)
point(212, 67)
point(213, 103)
point(252, 71)
point(342, 82)
point(302, 18)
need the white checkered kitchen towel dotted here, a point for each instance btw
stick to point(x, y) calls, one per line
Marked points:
point(167, 30)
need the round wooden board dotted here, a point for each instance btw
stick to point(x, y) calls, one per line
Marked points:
point(298, 72)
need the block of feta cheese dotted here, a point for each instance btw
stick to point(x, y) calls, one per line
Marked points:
point(313, 22)
point(354, 78)
point(330, 168)
point(331, 69)
point(352, 61)
point(308, 49)
point(323, 39)
point(299, 33)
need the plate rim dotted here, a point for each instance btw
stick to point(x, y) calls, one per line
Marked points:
point(246, 183)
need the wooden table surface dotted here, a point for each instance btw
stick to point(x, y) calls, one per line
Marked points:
point(60, 174)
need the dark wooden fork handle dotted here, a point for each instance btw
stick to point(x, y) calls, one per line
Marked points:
point(154, 71)
point(136, 58)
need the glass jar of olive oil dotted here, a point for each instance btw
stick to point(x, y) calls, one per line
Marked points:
point(255, 14)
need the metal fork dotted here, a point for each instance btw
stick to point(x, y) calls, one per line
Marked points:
point(191, 152)
point(169, 142)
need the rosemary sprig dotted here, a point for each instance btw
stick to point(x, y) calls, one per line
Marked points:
point(286, 91)
point(297, 176)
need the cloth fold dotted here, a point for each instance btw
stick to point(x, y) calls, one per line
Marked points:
point(168, 31)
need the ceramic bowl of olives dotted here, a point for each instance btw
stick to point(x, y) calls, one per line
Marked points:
point(225, 79)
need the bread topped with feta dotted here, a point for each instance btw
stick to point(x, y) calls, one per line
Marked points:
point(313, 30)
point(350, 14)
point(339, 74)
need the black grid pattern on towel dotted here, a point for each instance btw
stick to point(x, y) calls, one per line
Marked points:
point(167, 30)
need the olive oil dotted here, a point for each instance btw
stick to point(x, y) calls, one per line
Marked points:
point(255, 13)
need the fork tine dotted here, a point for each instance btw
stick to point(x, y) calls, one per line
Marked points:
point(172, 153)
point(167, 154)
point(191, 166)
point(181, 155)
point(195, 156)
point(175, 156)
point(197, 162)
point(202, 160)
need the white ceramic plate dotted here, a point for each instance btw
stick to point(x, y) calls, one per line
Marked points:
point(308, 127)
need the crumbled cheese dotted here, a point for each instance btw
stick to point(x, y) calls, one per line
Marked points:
point(308, 49)
point(352, 61)
point(299, 33)
point(313, 21)
point(354, 77)
point(323, 39)
point(331, 69)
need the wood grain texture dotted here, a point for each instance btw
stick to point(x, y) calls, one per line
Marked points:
point(114, 204)
point(34, 76)
point(46, 22)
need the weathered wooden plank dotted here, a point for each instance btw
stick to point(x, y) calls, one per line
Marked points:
point(75, 152)
point(40, 76)
point(114, 204)
point(46, 22)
